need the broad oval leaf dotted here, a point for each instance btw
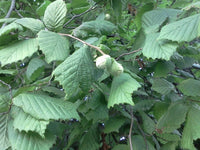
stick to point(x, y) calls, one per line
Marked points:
point(173, 118)
point(185, 29)
point(121, 90)
point(34, 25)
point(54, 46)
point(160, 49)
point(45, 107)
point(162, 86)
point(190, 87)
point(4, 141)
point(18, 51)
point(54, 16)
point(29, 141)
point(76, 71)
point(25, 122)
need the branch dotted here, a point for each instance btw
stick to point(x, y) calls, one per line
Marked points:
point(128, 53)
point(12, 6)
point(18, 13)
point(95, 47)
point(76, 16)
point(130, 132)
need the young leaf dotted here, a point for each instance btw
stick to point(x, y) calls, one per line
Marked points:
point(192, 129)
point(18, 51)
point(173, 118)
point(190, 87)
point(45, 107)
point(54, 16)
point(29, 141)
point(185, 29)
point(34, 68)
point(122, 89)
point(154, 48)
point(4, 141)
point(76, 71)
point(54, 46)
point(162, 86)
point(25, 122)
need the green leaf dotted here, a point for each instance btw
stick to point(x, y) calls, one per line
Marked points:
point(192, 129)
point(162, 86)
point(185, 29)
point(139, 143)
point(25, 122)
point(162, 68)
point(54, 46)
point(54, 16)
point(114, 124)
point(45, 107)
point(41, 9)
point(34, 25)
point(121, 147)
point(18, 51)
point(148, 123)
point(35, 67)
point(29, 141)
point(9, 28)
point(8, 71)
point(190, 87)
point(142, 10)
point(168, 137)
point(7, 20)
point(143, 105)
point(154, 48)
point(76, 71)
point(152, 20)
point(121, 90)
point(4, 141)
point(99, 27)
point(4, 103)
point(90, 140)
point(169, 145)
point(173, 118)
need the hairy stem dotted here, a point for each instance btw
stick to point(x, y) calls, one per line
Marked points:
point(128, 53)
point(95, 47)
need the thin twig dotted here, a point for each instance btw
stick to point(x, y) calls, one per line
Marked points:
point(128, 53)
point(130, 132)
point(18, 13)
point(12, 6)
point(76, 16)
point(95, 47)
